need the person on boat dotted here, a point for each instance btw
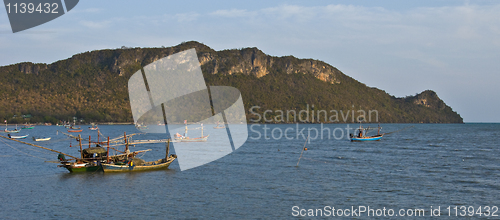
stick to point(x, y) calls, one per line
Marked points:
point(9, 135)
point(360, 133)
point(61, 157)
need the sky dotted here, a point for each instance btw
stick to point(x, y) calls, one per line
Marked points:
point(401, 47)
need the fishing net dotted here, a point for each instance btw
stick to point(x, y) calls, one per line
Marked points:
point(95, 150)
point(137, 161)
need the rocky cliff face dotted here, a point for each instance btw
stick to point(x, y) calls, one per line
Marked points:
point(252, 61)
point(248, 61)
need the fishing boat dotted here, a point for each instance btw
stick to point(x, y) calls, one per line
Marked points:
point(141, 127)
point(93, 128)
point(361, 134)
point(184, 138)
point(70, 130)
point(91, 158)
point(17, 137)
point(219, 127)
point(41, 139)
point(137, 164)
point(89, 161)
point(27, 127)
point(11, 131)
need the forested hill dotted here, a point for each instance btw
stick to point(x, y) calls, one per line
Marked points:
point(93, 86)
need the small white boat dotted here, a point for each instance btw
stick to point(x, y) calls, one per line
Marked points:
point(17, 137)
point(41, 139)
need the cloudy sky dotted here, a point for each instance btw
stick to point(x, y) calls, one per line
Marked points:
point(402, 47)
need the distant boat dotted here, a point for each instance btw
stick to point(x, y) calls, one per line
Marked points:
point(69, 130)
point(11, 131)
point(184, 138)
point(17, 137)
point(219, 127)
point(94, 127)
point(141, 127)
point(361, 134)
point(27, 127)
point(188, 139)
point(41, 139)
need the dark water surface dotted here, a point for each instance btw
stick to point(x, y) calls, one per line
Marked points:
point(426, 165)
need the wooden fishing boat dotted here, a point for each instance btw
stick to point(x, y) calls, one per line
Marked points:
point(69, 130)
point(41, 139)
point(131, 166)
point(184, 138)
point(362, 134)
point(17, 137)
point(137, 164)
point(91, 158)
point(81, 166)
point(27, 127)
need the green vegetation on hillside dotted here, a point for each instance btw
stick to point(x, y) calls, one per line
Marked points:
point(93, 86)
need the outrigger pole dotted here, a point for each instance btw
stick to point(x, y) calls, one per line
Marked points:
point(34, 145)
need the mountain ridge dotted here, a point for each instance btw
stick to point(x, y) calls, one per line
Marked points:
point(93, 86)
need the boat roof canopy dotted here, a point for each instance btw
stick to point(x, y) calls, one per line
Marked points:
point(95, 150)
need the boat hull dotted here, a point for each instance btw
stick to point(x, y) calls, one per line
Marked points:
point(187, 139)
point(18, 137)
point(75, 130)
point(79, 168)
point(154, 165)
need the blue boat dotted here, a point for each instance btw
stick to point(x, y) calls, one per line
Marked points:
point(361, 134)
point(370, 138)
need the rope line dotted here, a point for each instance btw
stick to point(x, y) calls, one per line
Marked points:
point(22, 151)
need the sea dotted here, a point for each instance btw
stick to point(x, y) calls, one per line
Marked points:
point(442, 171)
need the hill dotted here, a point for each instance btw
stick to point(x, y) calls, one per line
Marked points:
point(93, 86)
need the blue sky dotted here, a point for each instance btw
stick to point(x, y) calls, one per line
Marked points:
point(402, 47)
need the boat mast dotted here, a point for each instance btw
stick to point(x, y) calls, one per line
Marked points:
point(107, 154)
point(126, 145)
point(80, 143)
point(168, 149)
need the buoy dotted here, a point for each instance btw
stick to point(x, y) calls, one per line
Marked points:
point(305, 148)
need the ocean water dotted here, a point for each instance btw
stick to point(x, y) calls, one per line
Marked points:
point(438, 165)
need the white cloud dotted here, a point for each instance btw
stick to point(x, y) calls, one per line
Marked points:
point(95, 24)
point(232, 13)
